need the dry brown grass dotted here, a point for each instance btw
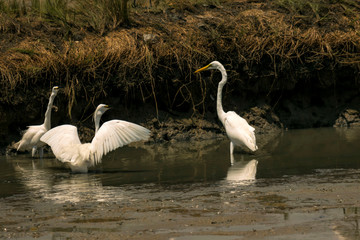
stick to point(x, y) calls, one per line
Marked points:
point(256, 41)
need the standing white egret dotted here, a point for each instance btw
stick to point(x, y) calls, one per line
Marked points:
point(66, 146)
point(32, 135)
point(237, 128)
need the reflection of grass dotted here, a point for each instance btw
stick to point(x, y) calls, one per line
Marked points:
point(80, 45)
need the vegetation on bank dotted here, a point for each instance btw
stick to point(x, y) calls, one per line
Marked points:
point(88, 48)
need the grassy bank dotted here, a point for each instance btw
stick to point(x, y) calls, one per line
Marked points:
point(267, 47)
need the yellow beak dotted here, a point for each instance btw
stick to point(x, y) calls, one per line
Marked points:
point(203, 68)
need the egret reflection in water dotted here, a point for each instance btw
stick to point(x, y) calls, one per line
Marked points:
point(242, 171)
point(349, 228)
point(64, 187)
point(172, 182)
point(139, 164)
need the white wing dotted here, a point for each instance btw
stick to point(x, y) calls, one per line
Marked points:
point(63, 140)
point(31, 137)
point(238, 122)
point(114, 134)
point(239, 131)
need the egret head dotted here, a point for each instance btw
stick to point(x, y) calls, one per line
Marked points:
point(55, 89)
point(213, 65)
point(101, 109)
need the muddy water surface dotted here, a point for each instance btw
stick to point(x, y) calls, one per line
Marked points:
point(300, 184)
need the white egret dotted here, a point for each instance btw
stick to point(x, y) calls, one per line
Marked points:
point(66, 146)
point(237, 128)
point(32, 135)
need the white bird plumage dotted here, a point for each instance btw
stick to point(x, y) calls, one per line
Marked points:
point(32, 135)
point(66, 146)
point(237, 129)
point(242, 170)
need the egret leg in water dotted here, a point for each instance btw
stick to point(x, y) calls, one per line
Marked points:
point(237, 128)
point(32, 135)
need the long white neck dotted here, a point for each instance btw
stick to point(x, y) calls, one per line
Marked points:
point(97, 117)
point(219, 108)
point(47, 121)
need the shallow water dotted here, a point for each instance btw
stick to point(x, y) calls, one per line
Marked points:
point(299, 183)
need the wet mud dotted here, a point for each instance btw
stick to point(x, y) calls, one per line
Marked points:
point(284, 208)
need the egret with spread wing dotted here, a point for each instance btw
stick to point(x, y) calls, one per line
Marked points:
point(66, 146)
point(237, 128)
point(32, 135)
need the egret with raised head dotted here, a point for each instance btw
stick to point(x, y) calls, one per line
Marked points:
point(31, 136)
point(237, 128)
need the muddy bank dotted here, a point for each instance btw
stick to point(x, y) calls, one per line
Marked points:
point(289, 66)
point(298, 109)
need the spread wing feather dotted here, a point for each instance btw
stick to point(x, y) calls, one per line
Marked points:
point(62, 140)
point(114, 134)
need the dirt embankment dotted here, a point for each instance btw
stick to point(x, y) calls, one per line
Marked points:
point(290, 65)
